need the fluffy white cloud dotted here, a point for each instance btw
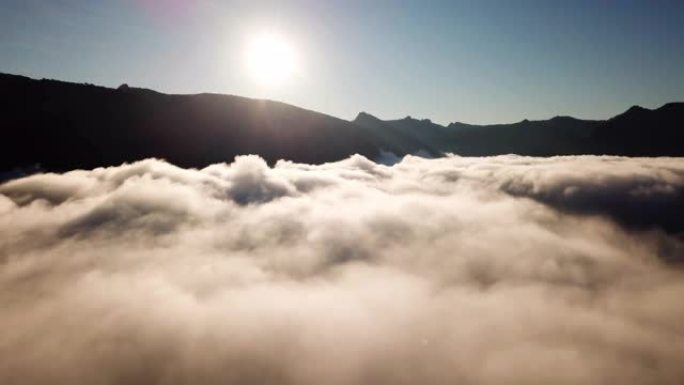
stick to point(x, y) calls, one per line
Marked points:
point(502, 270)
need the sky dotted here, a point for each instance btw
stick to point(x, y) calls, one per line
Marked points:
point(468, 61)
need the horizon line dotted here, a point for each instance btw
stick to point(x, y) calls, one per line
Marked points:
point(428, 120)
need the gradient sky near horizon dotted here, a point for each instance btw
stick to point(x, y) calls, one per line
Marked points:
point(468, 61)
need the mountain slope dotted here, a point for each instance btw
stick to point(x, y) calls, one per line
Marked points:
point(637, 132)
point(557, 136)
point(62, 126)
point(643, 132)
point(398, 138)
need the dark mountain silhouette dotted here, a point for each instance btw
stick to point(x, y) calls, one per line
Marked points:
point(637, 132)
point(398, 138)
point(560, 135)
point(65, 125)
point(644, 132)
point(61, 125)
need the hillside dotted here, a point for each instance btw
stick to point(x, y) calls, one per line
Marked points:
point(59, 126)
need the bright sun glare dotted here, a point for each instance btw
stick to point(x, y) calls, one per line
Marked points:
point(271, 60)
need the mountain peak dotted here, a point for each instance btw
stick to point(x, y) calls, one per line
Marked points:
point(673, 107)
point(410, 118)
point(563, 118)
point(636, 108)
point(364, 117)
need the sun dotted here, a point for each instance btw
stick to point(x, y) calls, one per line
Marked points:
point(271, 60)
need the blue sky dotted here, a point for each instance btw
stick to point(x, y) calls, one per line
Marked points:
point(469, 61)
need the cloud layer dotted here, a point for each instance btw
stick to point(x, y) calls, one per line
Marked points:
point(502, 270)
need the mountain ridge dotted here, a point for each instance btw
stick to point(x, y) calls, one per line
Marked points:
point(63, 125)
point(661, 129)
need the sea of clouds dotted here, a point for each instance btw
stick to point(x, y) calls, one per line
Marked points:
point(500, 270)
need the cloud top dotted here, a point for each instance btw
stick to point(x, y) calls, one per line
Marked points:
point(500, 270)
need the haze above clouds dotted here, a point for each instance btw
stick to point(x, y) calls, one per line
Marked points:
point(495, 270)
